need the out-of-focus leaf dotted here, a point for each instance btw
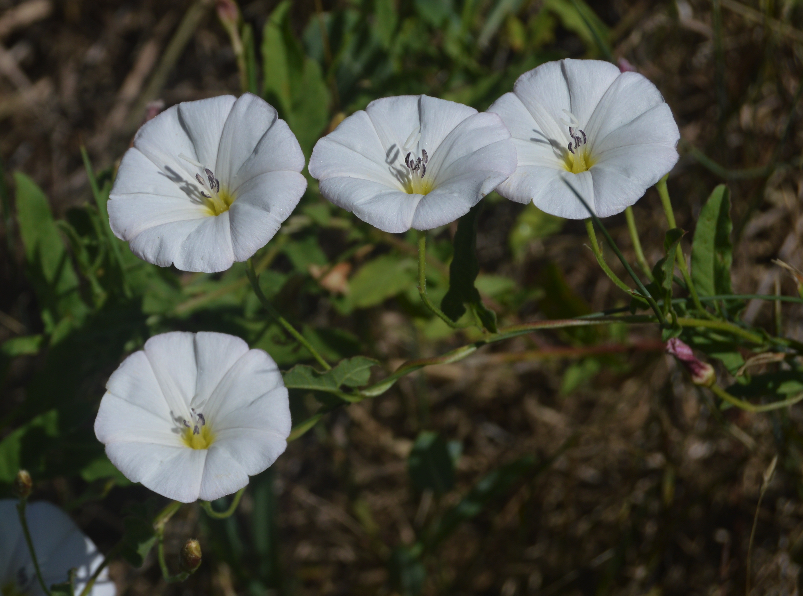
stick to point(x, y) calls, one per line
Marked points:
point(386, 20)
point(462, 273)
point(779, 384)
point(305, 251)
point(435, 12)
point(577, 16)
point(487, 489)
point(22, 346)
point(103, 468)
point(664, 270)
point(25, 447)
point(139, 536)
point(532, 224)
point(495, 18)
point(579, 373)
point(712, 251)
point(406, 571)
point(716, 346)
point(430, 464)
point(380, 279)
point(292, 81)
point(352, 372)
point(561, 302)
point(48, 264)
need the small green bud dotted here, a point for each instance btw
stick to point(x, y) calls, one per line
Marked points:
point(22, 484)
point(191, 556)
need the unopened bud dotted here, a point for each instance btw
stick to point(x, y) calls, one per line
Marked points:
point(22, 484)
point(701, 372)
point(191, 556)
point(625, 66)
point(228, 13)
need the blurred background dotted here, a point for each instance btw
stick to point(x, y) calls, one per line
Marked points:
point(559, 463)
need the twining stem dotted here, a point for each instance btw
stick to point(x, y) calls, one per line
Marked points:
point(207, 506)
point(597, 250)
point(26, 532)
point(663, 191)
point(631, 227)
point(254, 279)
point(422, 282)
point(723, 326)
point(744, 405)
point(159, 527)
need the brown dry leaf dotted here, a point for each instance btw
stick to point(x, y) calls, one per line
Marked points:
point(335, 279)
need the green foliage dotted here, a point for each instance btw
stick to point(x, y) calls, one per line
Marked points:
point(430, 464)
point(139, 536)
point(712, 251)
point(379, 279)
point(462, 273)
point(532, 224)
point(406, 572)
point(353, 372)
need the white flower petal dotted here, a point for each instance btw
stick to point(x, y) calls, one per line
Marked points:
point(215, 353)
point(162, 140)
point(203, 120)
point(333, 159)
point(385, 208)
point(178, 476)
point(223, 474)
point(208, 247)
point(135, 382)
point(254, 375)
point(629, 97)
point(438, 118)
point(656, 126)
point(587, 81)
point(120, 421)
point(172, 358)
point(394, 119)
point(545, 94)
point(277, 151)
point(161, 245)
point(263, 203)
point(138, 175)
point(60, 546)
point(249, 119)
point(254, 448)
point(269, 414)
point(532, 146)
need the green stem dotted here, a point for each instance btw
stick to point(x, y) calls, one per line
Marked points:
point(723, 326)
point(663, 191)
point(207, 506)
point(159, 524)
point(597, 250)
point(631, 227)
point(105, 563)
point(735, 401)
point(254, 279)
point(422, 282)
point(26, 532)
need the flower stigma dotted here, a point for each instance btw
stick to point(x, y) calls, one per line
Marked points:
point(197, 434)
point(575, 159)
point(217, 200)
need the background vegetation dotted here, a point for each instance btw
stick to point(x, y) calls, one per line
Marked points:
point(567, 462)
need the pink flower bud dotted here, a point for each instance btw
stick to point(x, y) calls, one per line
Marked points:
point(701, 372)
point(625, 66)
point(228, 13)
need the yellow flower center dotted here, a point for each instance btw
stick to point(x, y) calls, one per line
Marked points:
point(578, 162)
point(219, 202)
point(200, 440)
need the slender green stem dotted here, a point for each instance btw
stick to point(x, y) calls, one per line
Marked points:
point(207, 506)
point(27, 533)
point(105, 563)
point(254, 279)
point(597, 250)
point(159, 527)
point(744, 405)
point(723, 326)
point(663, 191)
point(631, 227)
point(422, 282)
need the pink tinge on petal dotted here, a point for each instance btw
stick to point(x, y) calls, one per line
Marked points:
point(701, 372)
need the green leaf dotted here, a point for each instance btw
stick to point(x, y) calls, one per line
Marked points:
point(22, 346)
point(48, 264)
point(380, 279)
point(711, 250)
point(784, 383)
point(531, 225)
point(462, 273)
point(352, 372)
point(430, 463)
point(293, 82)
point(664, 270)
point(386, 20)
point(139, 535)
point(65, 588)
point(406, 571)
point(578, 17)
point(101, 467)
point(26, 446)
point(488, 488)
point(579, 373)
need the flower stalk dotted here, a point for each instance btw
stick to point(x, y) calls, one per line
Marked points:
point(422, 282)
point(631, 227)
point(207, 506)
point(254, 279)
point(28, 541)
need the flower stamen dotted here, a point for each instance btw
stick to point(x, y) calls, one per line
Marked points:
point(197, 434)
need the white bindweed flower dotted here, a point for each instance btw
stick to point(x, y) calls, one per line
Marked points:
point(608, 133)
point(412, 161)
point(59, 546)
point(192, 416)
point(207, 183)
